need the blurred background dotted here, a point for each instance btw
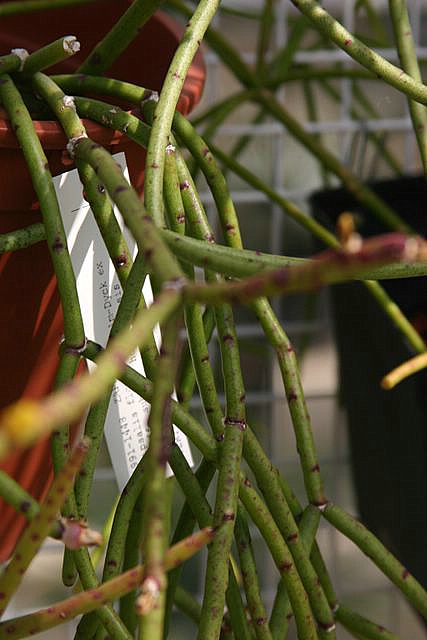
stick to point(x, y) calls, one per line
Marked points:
point(273, 155)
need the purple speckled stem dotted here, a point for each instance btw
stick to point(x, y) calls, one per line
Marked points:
point(40, 526)
point(375, 550)
point(90, 600)
point(330, 267)
point(151, 601)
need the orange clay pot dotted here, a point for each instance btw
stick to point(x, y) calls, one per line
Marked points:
point(31, 316)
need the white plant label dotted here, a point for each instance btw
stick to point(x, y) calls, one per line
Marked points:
point(99, 290)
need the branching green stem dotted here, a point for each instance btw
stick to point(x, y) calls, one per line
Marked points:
point(90, 600)
point(166, 105)
point(408, 58)
point(368, 58)
point(39, 527)
point(151, 601)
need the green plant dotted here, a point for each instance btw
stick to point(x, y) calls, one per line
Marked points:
point(173, 235)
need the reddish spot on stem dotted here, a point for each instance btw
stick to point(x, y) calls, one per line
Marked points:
point(247, 482)
point(229, 227)
point(205, 152)
point(261, 621)
point(348, 42)
point(228, 339)
point(184, 185)
point(405, 574)
point(120, 189)
point(292, 396)
point(25, 505)
point(280, 277)
point(316, 468)
point(35, 537)
point(258, 253)
point(286, 567)
point(205, 359)
point(180, 218)
point(148, 254)
point(119, 359)
point(219, 437)
point(57, 245)
point(292, 537)
point(121, 260)
point(154, 165)
point(10, 629)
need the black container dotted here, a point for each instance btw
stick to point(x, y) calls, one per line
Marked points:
point(388, 429)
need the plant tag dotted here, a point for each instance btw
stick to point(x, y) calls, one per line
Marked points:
point(100, 292)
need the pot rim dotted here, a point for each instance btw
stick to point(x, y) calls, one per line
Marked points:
point(52, 135)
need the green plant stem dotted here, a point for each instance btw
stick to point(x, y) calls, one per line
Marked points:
point(293, 387)
point(131, 557)
point(34, 535)
point(119, 37)
point(356, 623)
point(281, 614)
point(105, 613)
point(282, 558)
point(330, 267)
point(140, 224)
point(151, 601)
point(236, 263)
point(250, 578)
point(10, 62)
point(226, 499)
point(116, 543)
point(265, 29)
point(408, 58)
point(157, 256)
point(51, 54)
point(27, 420)
point(82, 83)
point(60, 447)
point(240, 263)
point(375, 550)
point(252, 448)
point(87, 601)
point(187, 604)
point(195, 496)
point(55, 234)
point(383, 299)
point(368, 58)
point(94, 427)
point(266, 99)
point(185, 526)
point(171, 89)
point(22, 238)
point(279, 68)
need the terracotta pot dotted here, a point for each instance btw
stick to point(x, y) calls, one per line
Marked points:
point(31, 317)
